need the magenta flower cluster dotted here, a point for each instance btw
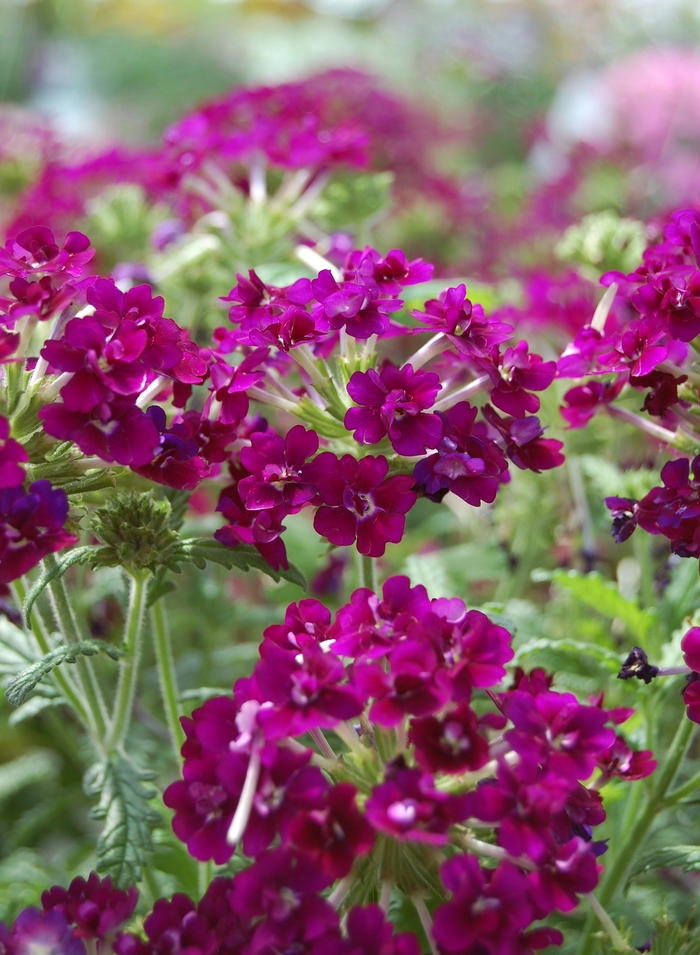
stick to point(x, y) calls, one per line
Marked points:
point(400, 681)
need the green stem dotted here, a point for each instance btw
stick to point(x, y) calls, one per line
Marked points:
point(637, 830)
point(167, 677)
point(367, 572)
point(63, 682)
point(205, 874)
point(129, 664)
point(70, 630)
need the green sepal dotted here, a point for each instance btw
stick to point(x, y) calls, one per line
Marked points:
point(19, 686)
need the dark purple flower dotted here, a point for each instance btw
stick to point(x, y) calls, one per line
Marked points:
point(468, 465)
point(31, 526)
point(309, 690)
point(525, 446)
point(664, 391)
point(262, 529)
point(355, 306)
point(276, 467)
point(673, 298)
point(488, 909)
point(359, 502)
point(571, 872)
point(690, 645)
point(636, 349)
point(118, 431)
point(334, 834)
point(621, 762)
point(35, 250)
point(34, 931)
point(391, 273)
point(585, 400)
point(557, 728)
point(178, 462)
point(370, 933)
point(519, 372)
point(414, 684)
point(370, 625)
point(93, 905)
point(464, 324)
point(172, 927)
point(392, 402)
point(408, 806)
point(40, 299)
point(12, 457)
point(449, 743)
point(305, 624)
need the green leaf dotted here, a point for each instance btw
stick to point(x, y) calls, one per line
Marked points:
point(18, 688)
point(33, 706)
point(685, 857)
point(78, 555)
point(199, 550)
point(572, 648)
point(603, 597)
point(125, 842)
point(35, 766)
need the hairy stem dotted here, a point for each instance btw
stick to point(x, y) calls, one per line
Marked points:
point(129, 664)
point(71, 632)
point(167, 677)
point(64, 683)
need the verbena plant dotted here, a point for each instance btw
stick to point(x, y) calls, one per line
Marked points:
point(396, 769)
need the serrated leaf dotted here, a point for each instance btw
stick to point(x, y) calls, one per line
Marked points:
point(18, 688)
point(607, 658)
point(685, 857)
point(603, 597)
point(671, 938)
point(126, 839)
point(78, 555)
point(243, 557)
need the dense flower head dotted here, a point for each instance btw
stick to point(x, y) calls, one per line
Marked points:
point(31, 526)
point(94, 906)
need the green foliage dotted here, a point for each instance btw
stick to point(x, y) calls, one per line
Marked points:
point(34, 766)
point(125, 843)
point(353, 200)
point(23, 877)
point(671, 938)
point(18, 688)
point(603, 242)
point(604, 597)
point(55, 570)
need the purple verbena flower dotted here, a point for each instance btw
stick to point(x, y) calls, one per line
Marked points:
point(93, 905)
point(40, 933)
point(31, 526)
point(359, 502)
point(355, 306)
point(276, 467)
point(392, 402)
point(467, 464)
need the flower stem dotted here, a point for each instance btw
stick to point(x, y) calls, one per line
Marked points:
point(167, 677)
point(70, 631)
point(473, 388)
point(129, 665)
point(425, 920)
point(619, 944)
point(637, 829)
point(63, 682)
point(367, 572)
